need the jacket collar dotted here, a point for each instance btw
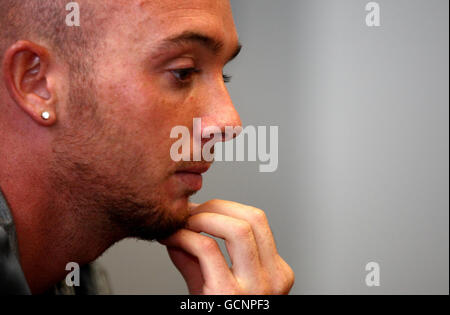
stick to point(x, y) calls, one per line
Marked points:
point(6, 221)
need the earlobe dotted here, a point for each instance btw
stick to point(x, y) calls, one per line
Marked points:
point(25, 72)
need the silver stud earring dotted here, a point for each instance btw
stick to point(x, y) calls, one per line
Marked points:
point(45, 115)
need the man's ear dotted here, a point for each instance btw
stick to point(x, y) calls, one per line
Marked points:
point(25, 72)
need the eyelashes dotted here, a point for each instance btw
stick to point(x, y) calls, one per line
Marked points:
point(186, 76)
point(227, 78)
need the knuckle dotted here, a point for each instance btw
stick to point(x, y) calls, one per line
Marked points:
point(281, 281)
point(243, 229)
point(208, 245)
point(290, 279)
point(258, 216)
point(286, 282)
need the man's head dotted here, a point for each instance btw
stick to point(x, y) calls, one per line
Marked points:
point(114, 88)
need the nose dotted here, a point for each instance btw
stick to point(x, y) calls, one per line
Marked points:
point(220, 115)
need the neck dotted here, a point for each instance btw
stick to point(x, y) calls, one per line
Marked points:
point(50, 233)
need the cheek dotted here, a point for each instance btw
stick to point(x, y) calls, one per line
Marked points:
point(146, 113)
point(153, 125)
point(155, 114)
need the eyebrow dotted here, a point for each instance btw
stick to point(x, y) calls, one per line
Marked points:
point(188, 37)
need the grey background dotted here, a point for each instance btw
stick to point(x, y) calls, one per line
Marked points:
point(363, 167)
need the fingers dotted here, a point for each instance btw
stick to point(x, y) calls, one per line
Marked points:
point(255, 217)
point(273, 268)
point(240, 242)
point(257, 267)
point(217, 276)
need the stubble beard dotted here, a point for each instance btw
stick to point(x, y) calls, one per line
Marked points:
point(100, 197)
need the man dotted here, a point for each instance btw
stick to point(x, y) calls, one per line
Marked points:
point(86, 114)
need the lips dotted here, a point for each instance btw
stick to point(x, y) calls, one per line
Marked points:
point(191, 176)
point(195, 169)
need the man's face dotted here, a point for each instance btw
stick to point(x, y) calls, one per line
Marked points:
point(160, 65)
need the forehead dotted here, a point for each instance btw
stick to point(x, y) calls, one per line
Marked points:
point(175, 5)
point(159, 19)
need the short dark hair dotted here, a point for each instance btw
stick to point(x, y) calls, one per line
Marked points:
point(44, 22)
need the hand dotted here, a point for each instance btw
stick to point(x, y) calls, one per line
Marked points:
point(257, 268)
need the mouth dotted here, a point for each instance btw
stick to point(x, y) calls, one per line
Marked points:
point(191, 176)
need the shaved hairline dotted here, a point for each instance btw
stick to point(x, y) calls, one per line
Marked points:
point(43, 22)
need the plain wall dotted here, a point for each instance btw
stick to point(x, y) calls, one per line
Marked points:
point(363, 147)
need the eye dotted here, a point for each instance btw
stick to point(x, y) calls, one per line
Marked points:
point(184, 75)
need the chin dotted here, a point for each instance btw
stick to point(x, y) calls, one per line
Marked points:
point(179, 207)
point(167, 218)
